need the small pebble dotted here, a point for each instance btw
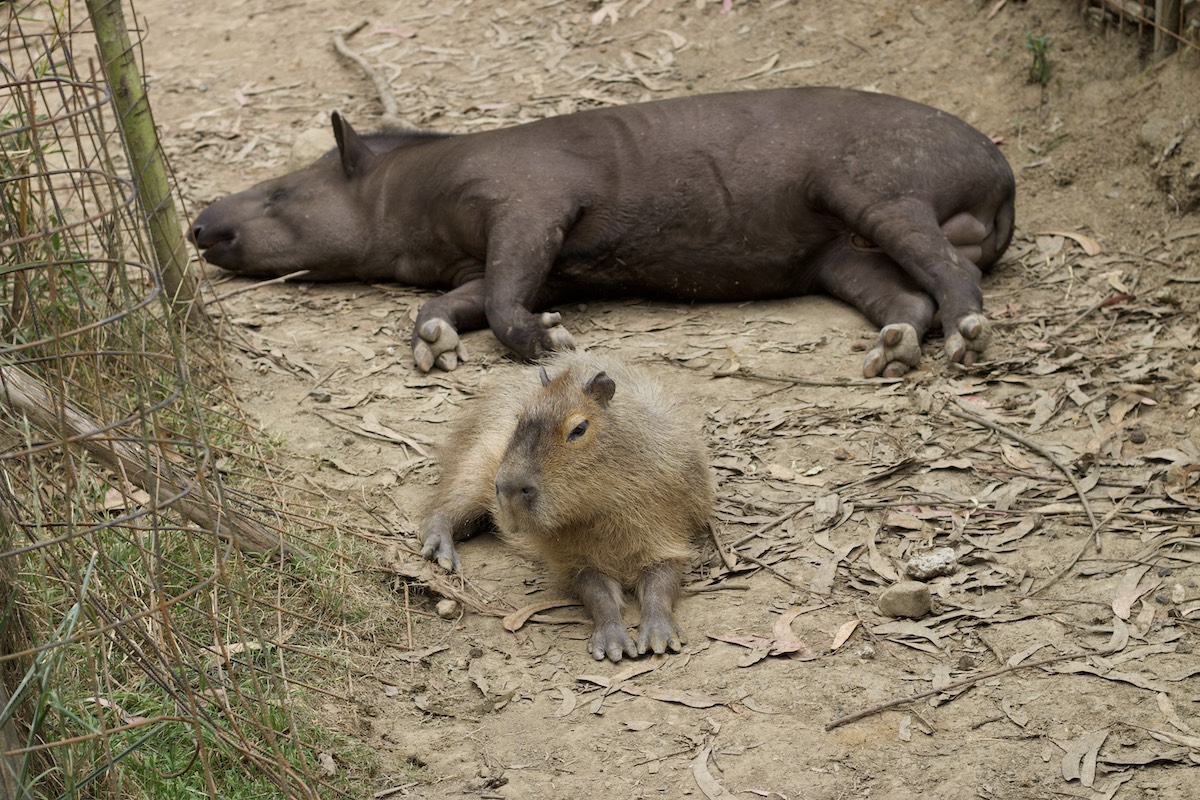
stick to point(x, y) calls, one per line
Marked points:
point(932, 564)
point(447, 609)
point(905, 599)
point(320, 396)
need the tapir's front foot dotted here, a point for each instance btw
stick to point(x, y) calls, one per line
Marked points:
point(532, 335)
point(896, 351)
point(967, 339)
point(437, 344)
point(554, 335)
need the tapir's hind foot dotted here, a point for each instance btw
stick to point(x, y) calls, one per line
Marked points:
point(966, 340)
point(438, 345)
point(896, 351)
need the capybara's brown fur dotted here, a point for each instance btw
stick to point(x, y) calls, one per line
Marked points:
point(595, 471)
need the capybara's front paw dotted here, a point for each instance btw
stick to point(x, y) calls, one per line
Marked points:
point(966, 341)
point(660, 634)
point(612, 641)
point(437, 344)
point(896, 351)
point(439, 546)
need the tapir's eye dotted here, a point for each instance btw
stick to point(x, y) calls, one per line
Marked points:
point(577, 431)
point(276, 196)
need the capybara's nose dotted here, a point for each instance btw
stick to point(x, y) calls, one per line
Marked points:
point(515, 489)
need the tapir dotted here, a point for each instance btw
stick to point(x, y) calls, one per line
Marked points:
point(892, 206)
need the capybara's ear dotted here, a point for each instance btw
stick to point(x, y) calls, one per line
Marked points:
point(601, 387)
point(357, 158)
point(542, 374)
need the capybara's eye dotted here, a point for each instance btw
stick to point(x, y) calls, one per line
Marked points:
point(577, 431)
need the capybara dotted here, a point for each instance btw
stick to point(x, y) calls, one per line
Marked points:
point(588, 465)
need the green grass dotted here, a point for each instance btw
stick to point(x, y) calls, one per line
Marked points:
point(120, 606)
point(1039, 49)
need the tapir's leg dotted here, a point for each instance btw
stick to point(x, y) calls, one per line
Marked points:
point(435, 341)
point(601, 596)
point(519, 259)
point(873, 283)
point(908, 231)
point(657, 591)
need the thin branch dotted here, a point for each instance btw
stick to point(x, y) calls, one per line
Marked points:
point(259, 285)
point(965, 412)
point(391, 111)
point(875, 709)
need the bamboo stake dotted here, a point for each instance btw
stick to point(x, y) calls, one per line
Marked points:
point(146, 159)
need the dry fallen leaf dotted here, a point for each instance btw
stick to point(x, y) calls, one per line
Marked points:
point(822, 582)
point(683, 697)
point(1089, 245)
point(1129, 590)
point(704, 779)
point(677, 41)
point(568, 702)
point(514, 621)
point(371, 424)
point(1079, 761)
point(843, 633)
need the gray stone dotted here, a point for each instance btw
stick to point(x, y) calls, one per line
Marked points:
point(905, 599)
point(932, 564)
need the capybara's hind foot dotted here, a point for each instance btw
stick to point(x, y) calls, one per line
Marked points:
point(437, 344)
point(966, 342)
point(612, 641)
point(896, 351)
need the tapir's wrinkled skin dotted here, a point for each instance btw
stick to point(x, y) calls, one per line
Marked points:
point(892, 206)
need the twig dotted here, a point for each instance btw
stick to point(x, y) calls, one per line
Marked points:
point(727, 558)
point(259, 285)
point(766, 526)
point(742, 372)
point(391, 111)
point(803, 504)
point(875, 709)
point(966, 413)
point(436, 580)
point(320, 383)
point(778, 574)
point(1078, 555)
point(1108, 300)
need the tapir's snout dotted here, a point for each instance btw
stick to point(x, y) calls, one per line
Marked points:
point(207, 231)
point(215, 240)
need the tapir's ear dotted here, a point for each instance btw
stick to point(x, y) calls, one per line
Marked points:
point(357, 158)
point(601, 387)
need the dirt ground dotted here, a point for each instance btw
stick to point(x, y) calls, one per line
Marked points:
point(828, 484)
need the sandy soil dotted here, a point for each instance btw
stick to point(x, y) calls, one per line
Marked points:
point(827, 485)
